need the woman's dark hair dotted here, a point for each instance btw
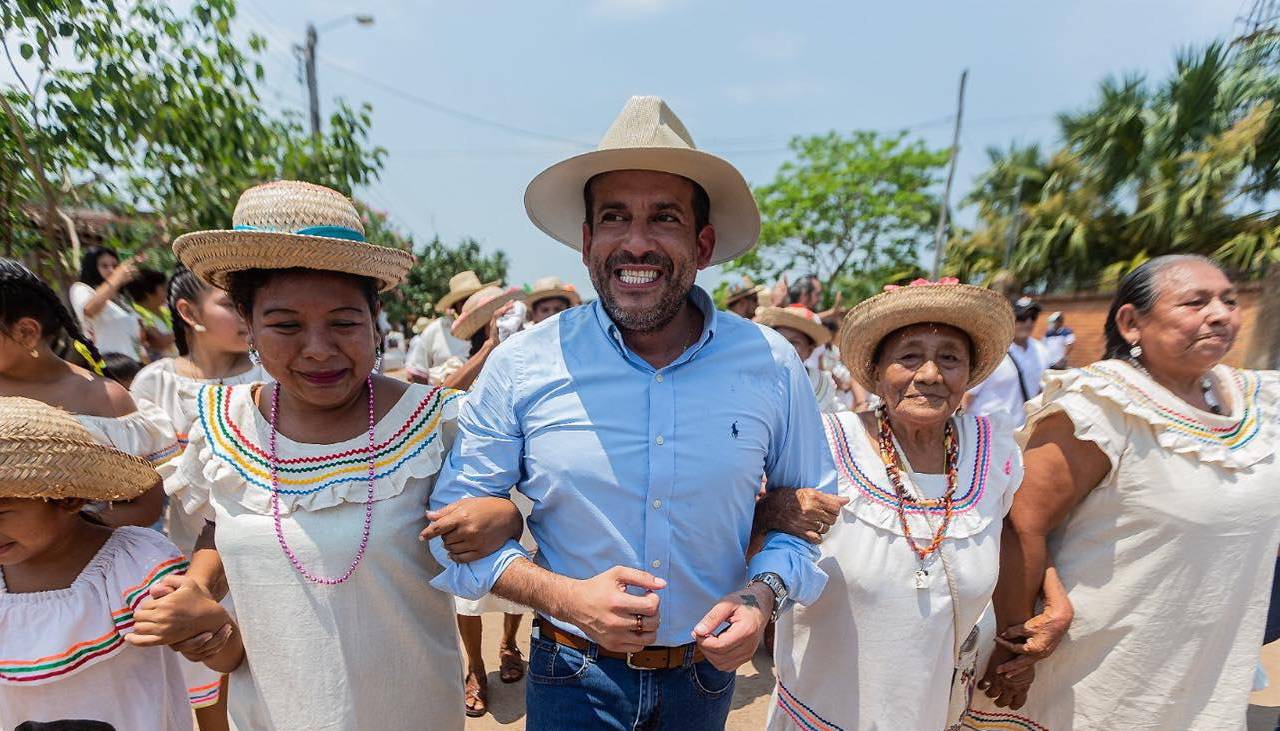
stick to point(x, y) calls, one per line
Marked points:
point(144, 284)
point(120, 368)
point(183, 285)
point(477, 340)
point(89, 273)
point(243, 286)
point(23, 294)
point(1140, 288)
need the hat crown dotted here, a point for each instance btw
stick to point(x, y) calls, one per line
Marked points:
point(464, 281)
point(646, 121)
point(292, 206)
point(481, 298)
point(548, 283)
point(26, 419)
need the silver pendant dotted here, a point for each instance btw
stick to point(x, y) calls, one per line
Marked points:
point(923, 580)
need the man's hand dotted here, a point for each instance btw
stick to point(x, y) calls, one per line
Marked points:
point(178, 609)
point(603, 609)
point(747, 613)
point(474, 527)
point(804, 512)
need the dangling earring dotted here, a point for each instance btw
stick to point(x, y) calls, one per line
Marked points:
point(35, 354)
point(377, 361)
point(254, 358)
point(1135, 352)
point(199, 328)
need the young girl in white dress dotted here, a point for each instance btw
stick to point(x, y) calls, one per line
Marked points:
point(69, 583)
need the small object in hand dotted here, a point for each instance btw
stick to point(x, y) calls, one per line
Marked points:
point(512, 322)
point(721, 629)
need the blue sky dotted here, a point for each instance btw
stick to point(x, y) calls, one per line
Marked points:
point(744, 77)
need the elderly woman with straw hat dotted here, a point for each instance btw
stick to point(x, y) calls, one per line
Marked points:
point(315, 482)
point(913, 556)
point(806, 333)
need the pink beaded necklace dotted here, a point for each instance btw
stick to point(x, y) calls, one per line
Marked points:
point(275, 499)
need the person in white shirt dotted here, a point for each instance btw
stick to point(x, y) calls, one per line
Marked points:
point(1017, 379)
point(1059, 339)
point(113, 327)
point(439, 353)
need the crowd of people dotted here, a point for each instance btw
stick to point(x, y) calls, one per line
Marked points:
point(217, 511)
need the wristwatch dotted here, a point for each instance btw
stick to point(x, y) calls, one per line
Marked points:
point(777, 586)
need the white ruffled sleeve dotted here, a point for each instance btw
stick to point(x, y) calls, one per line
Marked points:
point(147, 433)
point(187, 484)
point(1087, 402)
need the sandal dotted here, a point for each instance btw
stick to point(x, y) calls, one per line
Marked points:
point(476, 695)
point(512, 668)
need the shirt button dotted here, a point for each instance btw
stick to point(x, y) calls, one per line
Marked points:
point(657, 504)
point(660, 440)
point(659, 378)
point(656, 564)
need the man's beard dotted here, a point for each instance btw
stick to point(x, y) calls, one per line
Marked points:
point(677, 283)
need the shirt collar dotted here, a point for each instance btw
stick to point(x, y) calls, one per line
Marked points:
point(697, 296)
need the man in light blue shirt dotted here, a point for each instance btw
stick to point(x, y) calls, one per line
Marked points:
point(641, 427)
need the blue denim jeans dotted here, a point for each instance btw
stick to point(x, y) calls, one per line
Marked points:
point(571, 689)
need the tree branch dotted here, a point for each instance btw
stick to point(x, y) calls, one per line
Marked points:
point(37, 171)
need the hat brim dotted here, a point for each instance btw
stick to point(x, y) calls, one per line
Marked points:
point(755, 291)
point(538, 295)
point(214, 255)
point(985, 316)
point(460, 295)
point(776, 317)
point(470, 323)
point(554, 202)
point(58, 469)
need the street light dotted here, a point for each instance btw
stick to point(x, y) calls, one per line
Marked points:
point(308, 52)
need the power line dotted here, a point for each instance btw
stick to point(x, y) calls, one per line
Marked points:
point(450, 111)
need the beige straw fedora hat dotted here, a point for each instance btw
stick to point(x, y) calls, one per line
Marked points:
point(985, 316)
point(796, 318)
point(549, 287)
point(479, 308)
point(461, 286)
point(647, 135)
point(288, 224)
point(746, 288)
point(46, 453)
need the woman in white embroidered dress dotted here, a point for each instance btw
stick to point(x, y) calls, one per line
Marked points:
point(1151, 487)
point(316, 484)
point(914, 554)
point(32, 322)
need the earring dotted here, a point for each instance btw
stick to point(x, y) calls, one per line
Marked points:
point(377, 361)
point(199, 328)
point(254, 358)
point(1135, 351)
point(35, 354)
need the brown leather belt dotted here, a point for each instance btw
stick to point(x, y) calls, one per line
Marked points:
point(650, 658)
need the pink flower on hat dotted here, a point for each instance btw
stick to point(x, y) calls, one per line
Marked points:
point(923, 283)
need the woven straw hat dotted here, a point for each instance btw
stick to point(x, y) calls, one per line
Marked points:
point(46, 453)
point(478, 310)
point(288, 224)
point(746, 288)
point(985, 316)
point(461, 286)
point(796, 318)
point(421, 324)
point(549, 287)
point(647, 135)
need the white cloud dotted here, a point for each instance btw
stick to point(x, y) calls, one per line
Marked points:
point(774, 45)
point(630, 8)
point(775, 92)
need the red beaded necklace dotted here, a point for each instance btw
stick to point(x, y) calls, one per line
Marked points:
point(893, 468)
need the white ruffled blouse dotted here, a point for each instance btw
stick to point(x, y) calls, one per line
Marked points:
point(65, 649)
point(379, 651)
point(1168, 560)
point(147, 433)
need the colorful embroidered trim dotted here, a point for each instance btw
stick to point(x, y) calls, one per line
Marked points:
point(848, 468)
point(999, 722)
point(1232, 437)
point(804, 716)
point(170, 451)
point(50, 666)
point(314, 474)
point(205, 695)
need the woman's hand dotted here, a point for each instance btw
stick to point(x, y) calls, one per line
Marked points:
point(803, 512)
point(178, 609)
point(474, 527)
point(1011, 669)
point(491, 330)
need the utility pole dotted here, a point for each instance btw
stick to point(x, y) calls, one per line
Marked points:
point(1015, 223)
point(939, 236)
point(309, 62)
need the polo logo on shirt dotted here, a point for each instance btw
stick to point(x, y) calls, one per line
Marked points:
point(733, 429)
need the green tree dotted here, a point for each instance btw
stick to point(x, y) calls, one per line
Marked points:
point(137, 108)
point(854, 209)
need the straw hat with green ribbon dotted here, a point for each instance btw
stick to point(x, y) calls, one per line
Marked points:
point(985, 316)
point(290, 224)
point(46, 454)
point(479, 309)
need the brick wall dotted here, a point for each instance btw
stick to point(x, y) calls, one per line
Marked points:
point(1086, 314)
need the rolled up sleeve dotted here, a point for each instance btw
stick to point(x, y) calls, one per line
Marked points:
point(798, 457)
point(485, 461)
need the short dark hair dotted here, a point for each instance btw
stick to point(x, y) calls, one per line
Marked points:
point(243, 286)
point(1138, 288)
point(803, 286)
point(144, 283)
point(701, 204)
point(89, 273)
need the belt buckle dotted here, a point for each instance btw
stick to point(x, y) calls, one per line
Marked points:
point(633, 666)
